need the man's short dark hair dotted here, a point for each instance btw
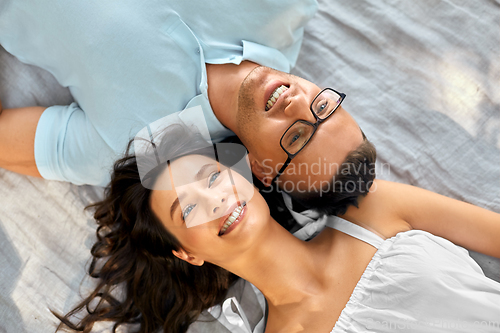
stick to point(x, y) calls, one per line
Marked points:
point(353, 179)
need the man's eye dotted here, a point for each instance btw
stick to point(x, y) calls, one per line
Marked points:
point(213, 177)
point(186, 211)
point(294, 137)
point(321, 108)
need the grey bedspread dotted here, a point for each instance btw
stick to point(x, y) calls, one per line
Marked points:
point(422, 80)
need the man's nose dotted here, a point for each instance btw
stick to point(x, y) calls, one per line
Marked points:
point(298, 108)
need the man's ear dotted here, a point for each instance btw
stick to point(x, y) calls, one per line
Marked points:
point(259, 170)
point(183, 255)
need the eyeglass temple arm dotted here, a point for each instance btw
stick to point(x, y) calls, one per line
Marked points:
point(280, 172)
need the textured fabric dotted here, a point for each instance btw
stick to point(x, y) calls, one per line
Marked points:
point(421, 78)
point(418, 282)
point(242, 312)
point(130, 63)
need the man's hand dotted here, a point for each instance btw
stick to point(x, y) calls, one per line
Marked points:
point(17, 139)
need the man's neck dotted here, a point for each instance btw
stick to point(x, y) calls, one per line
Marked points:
point(224, 83)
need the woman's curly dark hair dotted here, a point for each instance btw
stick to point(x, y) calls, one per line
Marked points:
point(134, 252)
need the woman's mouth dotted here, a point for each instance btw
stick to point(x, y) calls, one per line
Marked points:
point(275, 96)
point(233, 219)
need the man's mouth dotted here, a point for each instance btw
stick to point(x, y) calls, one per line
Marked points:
point(234, 217)
point(275, 95)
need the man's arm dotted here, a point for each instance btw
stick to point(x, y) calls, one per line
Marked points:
point(17, 139)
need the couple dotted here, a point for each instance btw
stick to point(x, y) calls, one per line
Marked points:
point(128, 65)
point(177, 237)
point(65, 134)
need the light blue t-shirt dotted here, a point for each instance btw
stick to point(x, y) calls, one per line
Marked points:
point(128, 63)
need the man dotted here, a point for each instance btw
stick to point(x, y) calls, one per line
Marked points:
point(128, 64)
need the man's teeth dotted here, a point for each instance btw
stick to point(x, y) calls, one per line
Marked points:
point(275, 95)
point(236, 213)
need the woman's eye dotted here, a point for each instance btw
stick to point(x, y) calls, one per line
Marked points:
point(186, 211)
point(213, 177)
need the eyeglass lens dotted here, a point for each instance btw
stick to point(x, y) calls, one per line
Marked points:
point(324, 104)
point(297, 136)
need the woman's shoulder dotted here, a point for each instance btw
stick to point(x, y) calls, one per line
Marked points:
point(379, 211)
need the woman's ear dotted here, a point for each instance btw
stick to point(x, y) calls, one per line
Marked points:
point(183, 255)
point(260, 170)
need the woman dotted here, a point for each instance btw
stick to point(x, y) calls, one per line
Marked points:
point(348, 278)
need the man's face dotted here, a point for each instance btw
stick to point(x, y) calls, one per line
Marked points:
point(260, 126)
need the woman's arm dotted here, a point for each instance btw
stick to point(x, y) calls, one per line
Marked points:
point(464, 224)
point(17, 139)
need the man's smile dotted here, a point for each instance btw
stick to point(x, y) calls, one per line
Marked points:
point(277, 89)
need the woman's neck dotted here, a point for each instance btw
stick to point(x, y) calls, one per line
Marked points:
point(285, 269)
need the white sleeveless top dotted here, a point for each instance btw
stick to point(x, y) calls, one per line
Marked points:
point(418, 282)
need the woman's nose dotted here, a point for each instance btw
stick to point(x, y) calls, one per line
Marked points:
point(215, 202)
point(218, 206)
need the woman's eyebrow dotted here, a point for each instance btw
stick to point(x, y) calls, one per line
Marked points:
point(174, 206)
point(200, 174)
point(177, 205)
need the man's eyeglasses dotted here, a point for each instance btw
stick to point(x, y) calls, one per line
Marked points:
point(298, 135)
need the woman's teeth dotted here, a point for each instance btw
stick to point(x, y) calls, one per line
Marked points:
point(275, 95)
point(236, 213)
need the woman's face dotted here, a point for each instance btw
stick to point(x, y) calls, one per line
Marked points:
point(214, 212)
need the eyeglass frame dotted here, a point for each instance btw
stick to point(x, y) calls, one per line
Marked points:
point(315, 127)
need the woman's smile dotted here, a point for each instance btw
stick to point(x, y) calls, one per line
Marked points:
point(229, 221)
